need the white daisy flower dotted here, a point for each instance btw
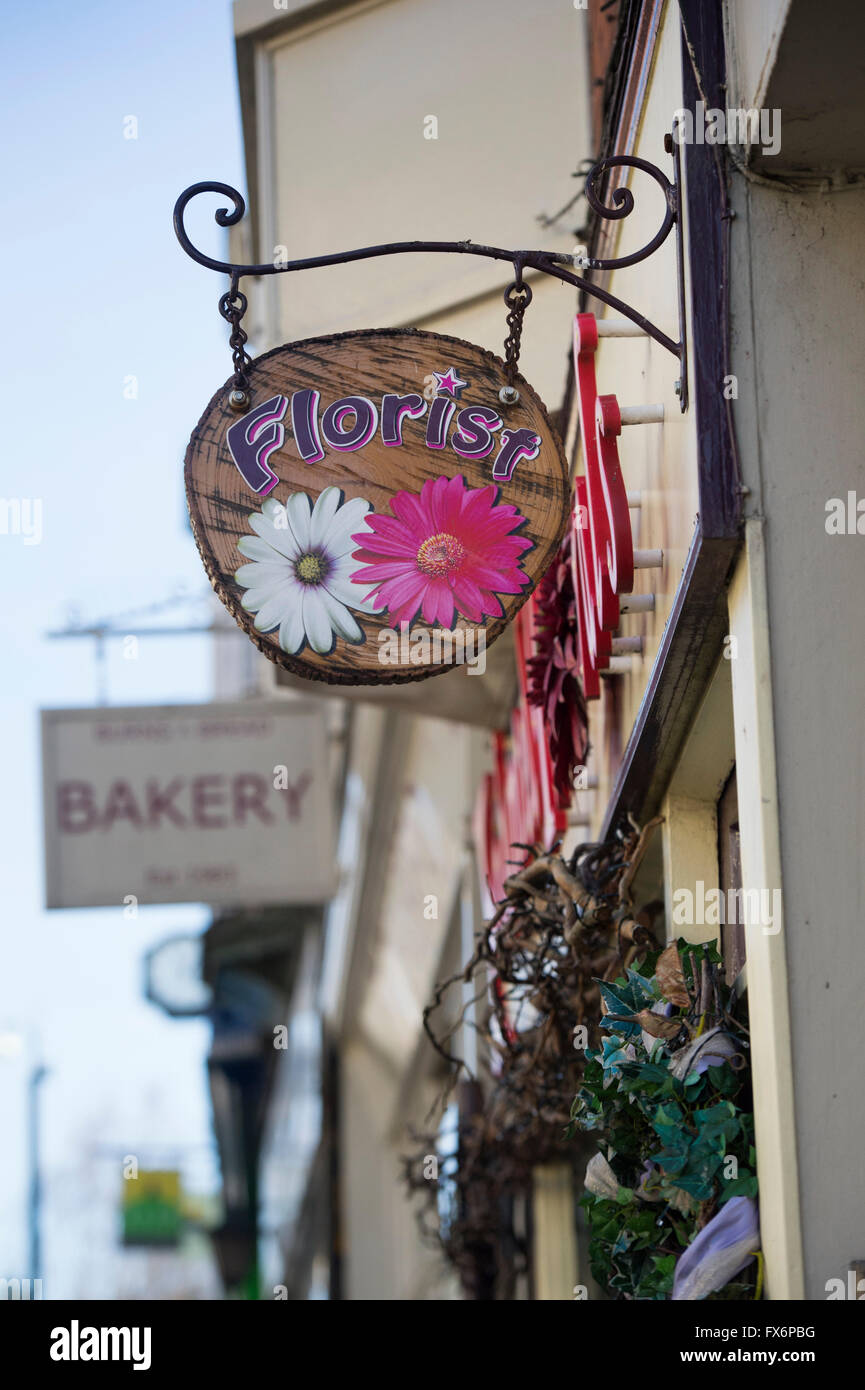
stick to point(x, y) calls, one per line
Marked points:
point(300, 576)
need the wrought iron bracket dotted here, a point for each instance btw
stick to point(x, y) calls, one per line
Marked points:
point(559, 264)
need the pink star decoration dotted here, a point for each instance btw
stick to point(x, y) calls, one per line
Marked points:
point(449, 382)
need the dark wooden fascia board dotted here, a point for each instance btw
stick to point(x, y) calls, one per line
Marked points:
point(689, 649)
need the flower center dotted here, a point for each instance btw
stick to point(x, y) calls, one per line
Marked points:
point(310, 569)
point(440, 555)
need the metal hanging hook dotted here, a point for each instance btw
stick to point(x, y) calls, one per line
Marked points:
point(518, 297)
point(558, 264)
point(232, 306)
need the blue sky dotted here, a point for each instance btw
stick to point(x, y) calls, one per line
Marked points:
point(96, 291)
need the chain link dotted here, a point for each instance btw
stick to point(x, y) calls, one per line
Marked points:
point(518, 297)
point(232, 307)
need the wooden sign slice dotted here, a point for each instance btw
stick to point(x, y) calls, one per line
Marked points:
point(377, 514)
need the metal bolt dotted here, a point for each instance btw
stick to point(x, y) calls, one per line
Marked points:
point(677, 386)
point(238, 400)
point(509, 395)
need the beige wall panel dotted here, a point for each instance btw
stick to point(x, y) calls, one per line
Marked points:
point(800, 421)
point(423, 862)
point(755, 28)
point(554, 1233)
point(345, 153)
point(769, 1010)
point(690, 809)
point(384, 1256)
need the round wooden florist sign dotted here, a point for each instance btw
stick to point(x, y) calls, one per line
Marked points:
point(376, 514)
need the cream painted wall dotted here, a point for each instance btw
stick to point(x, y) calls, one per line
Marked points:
point(420, 868)
point(766, 950)
point(384, 1257)
point(799, 354)
point(754, 29)
point(690, 828)
point(343, 160)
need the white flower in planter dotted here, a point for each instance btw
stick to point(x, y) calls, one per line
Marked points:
point(721, 1249)
point(300, 578)
point(600, 1178)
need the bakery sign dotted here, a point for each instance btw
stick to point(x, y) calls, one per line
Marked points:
point(216, 803)
point(376, 513)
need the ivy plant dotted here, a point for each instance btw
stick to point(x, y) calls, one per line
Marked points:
point(678, 1145)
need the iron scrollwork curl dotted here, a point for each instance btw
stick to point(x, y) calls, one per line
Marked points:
point(223, 217)
point(555, 263)
point(621, 205)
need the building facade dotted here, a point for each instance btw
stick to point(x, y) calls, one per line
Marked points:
point(710, 702)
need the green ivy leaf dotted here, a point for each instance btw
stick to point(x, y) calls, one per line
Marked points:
point(671, 1114)
point(743, 1186)
point(641, 989)
point(616, 997)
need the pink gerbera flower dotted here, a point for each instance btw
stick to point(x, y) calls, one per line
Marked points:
point(448, 550)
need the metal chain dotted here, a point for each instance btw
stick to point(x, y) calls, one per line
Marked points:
point(518, 297)
point(232, 307)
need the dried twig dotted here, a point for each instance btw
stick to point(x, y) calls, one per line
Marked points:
point(562, 925)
